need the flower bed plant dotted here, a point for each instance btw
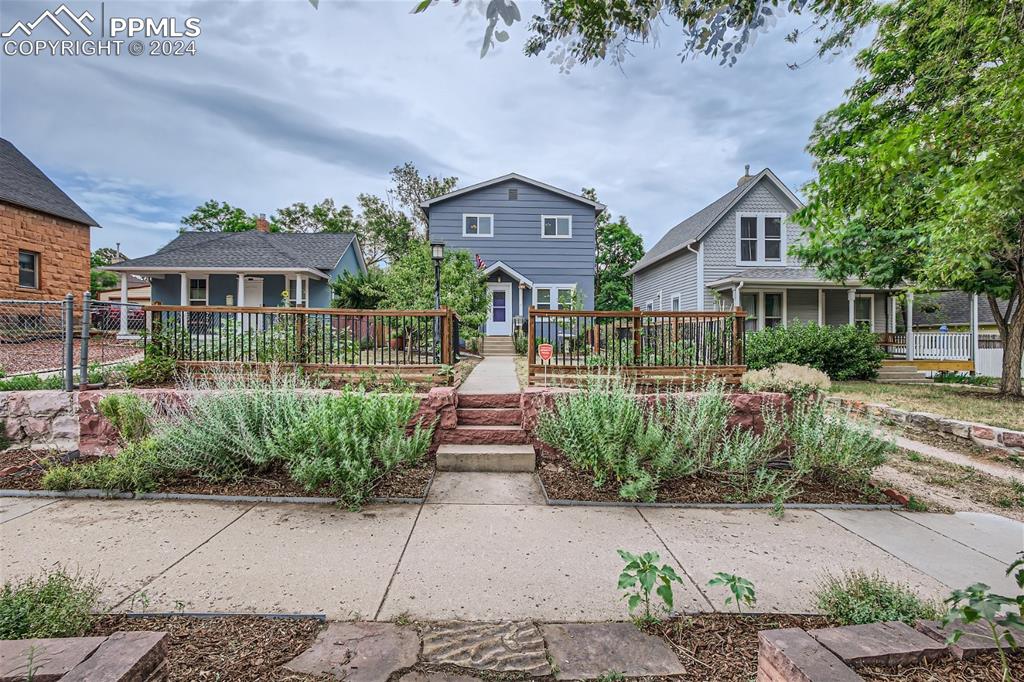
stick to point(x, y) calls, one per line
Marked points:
point(605, 442)
point(232, 429)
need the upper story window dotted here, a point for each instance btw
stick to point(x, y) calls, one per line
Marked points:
point(556, 226)
point(760, 238)
point(477, 225)
point(197, 292)
point(28, 270)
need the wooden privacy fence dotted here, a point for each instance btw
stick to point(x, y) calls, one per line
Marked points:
point(654, 347)
point(413, 344)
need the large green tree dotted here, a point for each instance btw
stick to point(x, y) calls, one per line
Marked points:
point(408, 284)
point(921, 169)
point(320, 217)
point(101, 279)
point(214, 216)
point(618, 249)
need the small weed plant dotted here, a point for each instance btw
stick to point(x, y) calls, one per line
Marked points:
point(640, 578)
point(856, 598)
point(1003, 616)
point(136, 468)
point(128, 413)
point(741, 589)
point(56, 604)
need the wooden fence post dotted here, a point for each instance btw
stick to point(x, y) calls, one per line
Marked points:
point(637, 318)
point(737, 336)
point(446, 337)
point(300, 337)
point(531, 336)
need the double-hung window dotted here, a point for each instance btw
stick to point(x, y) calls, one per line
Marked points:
point(197, 291)
point(28, 269)
point(773, 316)
point(477, 225)
point(676, 304)
point(553, 297)
point(556, 226)
point(863, 314)
point(760, 239)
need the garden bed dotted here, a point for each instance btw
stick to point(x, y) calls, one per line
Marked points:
point(564, 483)
point(402, 483)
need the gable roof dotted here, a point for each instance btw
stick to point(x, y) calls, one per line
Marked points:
point(243, 250)
point(598, 206)
point(23, 184)
point(694, 228)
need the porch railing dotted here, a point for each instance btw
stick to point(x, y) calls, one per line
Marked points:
point(326, 338)
point(670, 347)
point(928, 345)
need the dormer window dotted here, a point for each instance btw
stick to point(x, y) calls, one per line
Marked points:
point(760, 239)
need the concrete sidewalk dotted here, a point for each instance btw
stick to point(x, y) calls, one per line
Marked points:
point(494, 374)
point(453, 558)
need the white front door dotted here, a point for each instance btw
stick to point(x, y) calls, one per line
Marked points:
point(499, 317)
point(253, 299)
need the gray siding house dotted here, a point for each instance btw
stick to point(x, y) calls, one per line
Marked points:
point(251, 269)
point(733, 252)
point(536, 243)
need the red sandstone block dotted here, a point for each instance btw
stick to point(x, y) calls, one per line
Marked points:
point(123, 657)
point(976, 638)
point(791, 655)
point(982, 432)
point(886, 644)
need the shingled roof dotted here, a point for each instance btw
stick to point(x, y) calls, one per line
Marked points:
point(23, 184)
point(696, 226)
point(266, 250)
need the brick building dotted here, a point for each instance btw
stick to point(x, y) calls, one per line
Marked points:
point(44, 235)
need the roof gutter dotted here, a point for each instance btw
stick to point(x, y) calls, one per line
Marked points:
point(166, 270)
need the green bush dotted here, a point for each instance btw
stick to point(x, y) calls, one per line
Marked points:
point(53, 605)
point(856, 598)
point(844, 353)
point(32, 382)
point(155, 368)
point(834, 447)
point(128, 413)
point(135, 469)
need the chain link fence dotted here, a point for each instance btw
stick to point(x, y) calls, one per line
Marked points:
point(58, 340)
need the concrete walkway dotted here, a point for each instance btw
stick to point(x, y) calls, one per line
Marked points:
point(995, 469)
point(495, 374)
point(459, 557)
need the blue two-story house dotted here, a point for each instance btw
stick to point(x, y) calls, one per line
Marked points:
point(536, 242)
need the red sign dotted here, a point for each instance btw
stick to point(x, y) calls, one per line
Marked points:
point(545, 350)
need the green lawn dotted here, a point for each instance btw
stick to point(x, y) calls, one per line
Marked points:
point(957, 402)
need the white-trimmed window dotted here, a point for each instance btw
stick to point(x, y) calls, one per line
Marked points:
point(198, 291)
point(760, 238)
point(554, 296)
point(556, 226)
point(676, 303)
point(864, 310)
point(649, 306)
point(477, 225)
point(774, 309)
point(28, 270)
point(764, 309)
point(748, 301)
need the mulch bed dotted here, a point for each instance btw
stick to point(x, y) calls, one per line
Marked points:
point(235, 648)
point(564, 482)
point(48, 354)
point(984, 668)
point(407, 482)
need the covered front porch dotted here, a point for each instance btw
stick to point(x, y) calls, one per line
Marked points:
point(887, 312)
point(511, 294)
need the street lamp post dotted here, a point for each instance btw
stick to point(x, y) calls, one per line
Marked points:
point(437, 254)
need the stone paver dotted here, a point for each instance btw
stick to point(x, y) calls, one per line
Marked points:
point(124, 657)
point(886, 644)
point(792, 654)
point(292, 559)
point(584, 651)
point(359, 652)
point(450, 487)
point(13, 507)
point(946, 560)
point(976, 638)
point(494, 374)
point(497, 647)
point(785, 558)
point(492, 562)
point(122, 543)
point(996, 536)
point(51, 659)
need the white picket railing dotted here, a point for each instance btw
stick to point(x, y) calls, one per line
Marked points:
point(942, 345)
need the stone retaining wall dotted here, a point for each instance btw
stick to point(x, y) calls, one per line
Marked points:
point(59, 421)
point(984, 435)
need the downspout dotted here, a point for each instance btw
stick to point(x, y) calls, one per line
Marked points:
point(699, 253)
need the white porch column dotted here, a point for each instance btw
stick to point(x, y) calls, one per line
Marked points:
point(124, 304)
point(974, 332)
point(183, 297)
point(892, 313)
point(910, 325)
point(851, 297)
point(240, 298)
point(299, 291)
point(522, 313)
point(821, 307)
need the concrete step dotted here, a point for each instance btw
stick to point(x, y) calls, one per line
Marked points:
point(499, 353)
point(480, 416)
point(500, 458)
point(491, 400)
point(485, 435)
point(904, 381)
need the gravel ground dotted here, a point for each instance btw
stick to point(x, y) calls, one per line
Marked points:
point(47, 354)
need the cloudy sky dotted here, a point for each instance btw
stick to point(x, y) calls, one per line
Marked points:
point(285, 103)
